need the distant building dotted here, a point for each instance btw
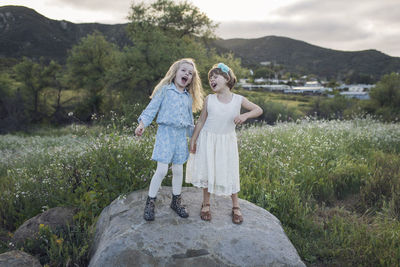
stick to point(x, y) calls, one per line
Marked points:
point(354, 94)
point(260, 80)
point(313, 87)
point(313, 84)
point(242, 81)
point(266, 87)
point(356, 87)
point(265, 63)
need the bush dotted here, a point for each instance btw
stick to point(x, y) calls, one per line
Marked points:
point(338, 107)
point(274, 111)
point(68, 246)
point(382, 185)
point(291, 169)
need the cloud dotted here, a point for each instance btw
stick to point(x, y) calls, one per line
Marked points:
point(102, 11)
point(340, 24)
point(94, 5)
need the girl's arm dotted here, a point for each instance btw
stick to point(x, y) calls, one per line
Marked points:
point(254, 111)
point(150, 112)
point(198, 127)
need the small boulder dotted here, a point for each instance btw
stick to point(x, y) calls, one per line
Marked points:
point(17, 258)
point(54, 218)
point(124, 238)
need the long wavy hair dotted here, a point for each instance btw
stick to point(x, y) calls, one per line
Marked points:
point(195, 87)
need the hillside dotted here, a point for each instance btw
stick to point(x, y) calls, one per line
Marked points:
point(299, 56)
point(24, 32)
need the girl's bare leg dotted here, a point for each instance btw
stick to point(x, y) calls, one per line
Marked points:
point(205, 213)
point(235, 203)
point(206, 199)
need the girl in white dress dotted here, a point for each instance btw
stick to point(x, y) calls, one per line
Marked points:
point(214, 160)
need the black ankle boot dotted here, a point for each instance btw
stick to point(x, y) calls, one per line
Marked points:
point(177, 207)
point(149, 209)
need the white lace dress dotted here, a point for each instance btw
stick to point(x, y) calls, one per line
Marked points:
point(215, 165)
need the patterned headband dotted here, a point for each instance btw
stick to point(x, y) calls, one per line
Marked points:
point(223, 67)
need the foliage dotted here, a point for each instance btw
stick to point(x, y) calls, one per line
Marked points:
point(100, 77)
point(332, 184)
point(386, 97)
point(337, 107)
point(177, 19)
point(162, 32)
point(311, 174)
point(87, 64)
point(66, 246)
point(12, 113)
point(274, 111)
point(35, 77)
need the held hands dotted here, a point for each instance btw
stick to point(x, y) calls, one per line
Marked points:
point(140, 129)
point(192, 146)
point(240, 119)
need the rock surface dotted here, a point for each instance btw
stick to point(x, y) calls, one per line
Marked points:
point(17, 258)
point(55, 217)
point(124, 238)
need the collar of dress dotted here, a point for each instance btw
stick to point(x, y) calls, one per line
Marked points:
point(172, 86)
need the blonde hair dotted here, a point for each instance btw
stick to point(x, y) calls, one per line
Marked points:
point(195, 87)
point(230, 76)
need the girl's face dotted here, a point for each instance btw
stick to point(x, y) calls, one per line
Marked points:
point(184, 75)
point(218, 82)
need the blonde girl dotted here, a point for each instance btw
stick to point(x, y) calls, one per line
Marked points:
point(214, 162)
point(174, 99)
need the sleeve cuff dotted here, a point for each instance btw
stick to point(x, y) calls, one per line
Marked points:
point(141, 119)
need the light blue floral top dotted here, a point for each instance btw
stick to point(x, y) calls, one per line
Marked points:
point(174, 108)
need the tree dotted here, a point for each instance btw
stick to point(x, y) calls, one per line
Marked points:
point(161, 32)
point(58, 83)
point(179, 19)
point(385, 96)
point(34, 78)
point(87, 66)
point(264, 72)
point(13, 114)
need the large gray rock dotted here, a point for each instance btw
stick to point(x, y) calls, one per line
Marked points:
point(17, 258)
point(124, 238)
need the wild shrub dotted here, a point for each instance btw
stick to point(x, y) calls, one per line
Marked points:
point(274, 111)
point(66, 246)
point(301, 172)
point(381, 186)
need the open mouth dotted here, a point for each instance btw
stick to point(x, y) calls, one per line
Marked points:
point(184, 79)
point(213, 84)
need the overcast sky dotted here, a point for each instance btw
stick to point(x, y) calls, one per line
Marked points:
point(349, 25)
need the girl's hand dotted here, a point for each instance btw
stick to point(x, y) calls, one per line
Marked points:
point(140, 129)
point(240, 119)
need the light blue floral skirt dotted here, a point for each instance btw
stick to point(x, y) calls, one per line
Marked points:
point(171, 145)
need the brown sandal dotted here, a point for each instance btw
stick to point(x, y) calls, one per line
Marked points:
point(236, 219)
point(205, 215)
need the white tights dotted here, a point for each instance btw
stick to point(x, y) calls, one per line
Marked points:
point(161, 171)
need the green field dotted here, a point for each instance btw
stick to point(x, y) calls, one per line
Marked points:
point(334, 185)
point(301, 103)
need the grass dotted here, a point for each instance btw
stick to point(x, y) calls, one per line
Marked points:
point(300, 103)
point(334, 185)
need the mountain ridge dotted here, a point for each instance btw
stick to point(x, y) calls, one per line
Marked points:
point(24, 32)
point(298, 56)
